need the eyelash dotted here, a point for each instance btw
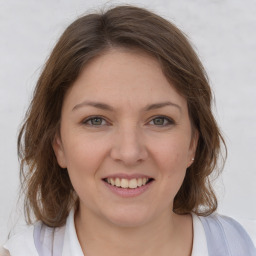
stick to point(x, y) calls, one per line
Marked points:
point(167, 121)
point(87, 120)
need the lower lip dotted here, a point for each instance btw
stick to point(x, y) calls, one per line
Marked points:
point(128, 192)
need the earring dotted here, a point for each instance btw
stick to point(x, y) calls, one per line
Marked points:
point(191, 162)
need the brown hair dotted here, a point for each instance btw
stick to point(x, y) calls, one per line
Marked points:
point(49, 192)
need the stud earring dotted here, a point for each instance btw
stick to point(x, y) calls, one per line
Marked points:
point(191, 162)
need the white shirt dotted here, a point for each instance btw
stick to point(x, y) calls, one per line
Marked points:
point(199, 238)
point(71, 246)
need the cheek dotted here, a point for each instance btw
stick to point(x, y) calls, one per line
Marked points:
point(171, 154)
point(83, 157)
point(171, 160)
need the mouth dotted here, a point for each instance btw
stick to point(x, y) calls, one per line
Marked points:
point(128, 183)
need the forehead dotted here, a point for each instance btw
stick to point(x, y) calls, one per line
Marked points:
point(123, 76)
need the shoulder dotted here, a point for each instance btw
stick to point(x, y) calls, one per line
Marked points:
point(227, 235)
point(35, 239)
point(22, 243)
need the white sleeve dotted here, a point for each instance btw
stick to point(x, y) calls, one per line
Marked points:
point(22, 243)
point(249, 226)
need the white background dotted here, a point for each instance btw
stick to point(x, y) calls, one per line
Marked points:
point(223, 33)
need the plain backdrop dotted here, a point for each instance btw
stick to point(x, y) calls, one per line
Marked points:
point(223, 35)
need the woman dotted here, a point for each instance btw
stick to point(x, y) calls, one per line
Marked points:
point(119, 143)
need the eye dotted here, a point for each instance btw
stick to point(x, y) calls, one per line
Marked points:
point(95, 121)
point(161, 121)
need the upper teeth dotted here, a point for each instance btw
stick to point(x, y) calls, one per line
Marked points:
point(125, 183)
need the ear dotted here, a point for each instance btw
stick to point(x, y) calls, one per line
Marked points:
point(59, 151)
point(193, 147)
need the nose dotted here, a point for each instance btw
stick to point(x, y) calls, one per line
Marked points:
point(129, 147)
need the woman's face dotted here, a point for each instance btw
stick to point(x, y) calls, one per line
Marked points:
point(125, 138)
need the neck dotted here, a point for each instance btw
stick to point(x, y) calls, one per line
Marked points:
point(169, 234)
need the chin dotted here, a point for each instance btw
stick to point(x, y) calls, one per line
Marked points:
point(129, 218)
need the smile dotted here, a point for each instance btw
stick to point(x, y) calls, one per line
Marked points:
point(126, 183)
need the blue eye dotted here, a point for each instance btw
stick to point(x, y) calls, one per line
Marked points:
point(95, 121)
point(161, 121)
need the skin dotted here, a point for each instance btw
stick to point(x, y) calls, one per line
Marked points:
point(127, 139)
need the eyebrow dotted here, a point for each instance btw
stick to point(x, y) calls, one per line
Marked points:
point(161, 105)
point(93, 104)
point(104, 106)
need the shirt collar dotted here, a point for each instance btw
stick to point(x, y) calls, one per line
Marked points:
point(199, 238)
point(71, 243)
